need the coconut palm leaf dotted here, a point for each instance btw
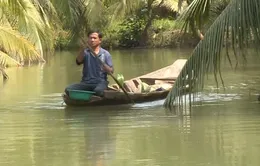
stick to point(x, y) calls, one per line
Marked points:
point(47, 11)
point(237, 27)
point(172, 5)
point(53, 23)
point(180, 5)
point(197, 12)
point(17, 46)
point(117, 10)
point(94, 14)
point(72, 8)
point(79, 15)
point(200, 14)
point(76, 10)
point(24, 16)
point(216, 8)
point(112, 10)
point(7, 61)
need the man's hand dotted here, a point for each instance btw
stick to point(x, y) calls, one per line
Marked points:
point(80, 57)
point(107, 68)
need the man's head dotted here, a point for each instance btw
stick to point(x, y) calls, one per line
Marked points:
point(94, 38)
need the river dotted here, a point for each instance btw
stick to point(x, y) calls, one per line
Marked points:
point(36, 128)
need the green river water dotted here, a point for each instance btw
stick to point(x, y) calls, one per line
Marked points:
point(37, 129)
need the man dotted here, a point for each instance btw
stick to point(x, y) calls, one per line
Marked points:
point(94, 72)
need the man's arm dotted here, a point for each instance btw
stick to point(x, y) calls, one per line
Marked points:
point(107, 68)
point(108, 65)
point(80, 57)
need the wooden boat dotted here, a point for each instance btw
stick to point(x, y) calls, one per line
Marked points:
point(149, 87)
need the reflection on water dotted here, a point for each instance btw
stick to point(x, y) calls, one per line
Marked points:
point(36, 128)
point(54, 101)
point(99, 139)
point(211, 135)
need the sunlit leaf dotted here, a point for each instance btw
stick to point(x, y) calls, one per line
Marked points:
point(30, 20)
point(169, 4)
point(17, 46)
point(7, 61)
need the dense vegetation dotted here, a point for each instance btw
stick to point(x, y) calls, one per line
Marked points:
point(30, 29)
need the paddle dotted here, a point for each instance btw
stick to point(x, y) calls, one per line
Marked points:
point(109, 73)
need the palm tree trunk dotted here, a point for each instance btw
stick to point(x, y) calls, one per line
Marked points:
point(151, 16)
point(144, 36)
point(195, 30)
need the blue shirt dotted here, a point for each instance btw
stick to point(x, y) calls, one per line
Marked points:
point(93, 72)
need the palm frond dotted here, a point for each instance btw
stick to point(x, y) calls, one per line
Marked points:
point(180, 5)
point(25, 16)
point(197, 12)
point(171, 5)
point(131, 5)
point(216, 8)
point(237, 27)
point(121, 8)
point(17, 46)
point(117, 11)
point(47, 12)
point(7, 61)
point(94, 12)
point(72, 10)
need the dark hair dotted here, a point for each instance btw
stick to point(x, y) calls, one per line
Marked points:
point(100, 35)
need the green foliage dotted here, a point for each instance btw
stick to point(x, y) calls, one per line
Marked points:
point(200, 14)
point(62, 40)
point(237, 28)
point(25, 32)
point(111, 36)
point(43, 25)
point(131, 31)
point(164, 24)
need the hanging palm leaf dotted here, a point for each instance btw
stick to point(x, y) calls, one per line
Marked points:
point(171, 5)
point(180, 4)
point(121, 8)
point(237, 26)
point(17, 47)
point(195, 15)
point(24, 17)
point(72, 8)
point(6, 60)
point(78, 16)
point(53, 24)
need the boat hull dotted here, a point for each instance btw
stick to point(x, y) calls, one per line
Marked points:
point(117, 98)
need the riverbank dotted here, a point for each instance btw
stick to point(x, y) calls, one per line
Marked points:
point(164, 39)
point(167, 39)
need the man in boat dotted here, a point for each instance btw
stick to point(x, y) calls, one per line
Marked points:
point(94, 72)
